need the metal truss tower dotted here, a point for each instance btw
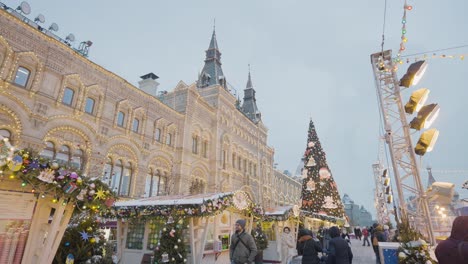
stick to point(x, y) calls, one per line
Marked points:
point(397, 136)
point(379, 199)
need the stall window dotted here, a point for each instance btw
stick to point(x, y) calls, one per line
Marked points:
point(22, 76)
point(154, 234)
point(135, 233)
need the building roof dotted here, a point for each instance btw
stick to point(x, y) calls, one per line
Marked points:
point(212, 73)
point(249, 106)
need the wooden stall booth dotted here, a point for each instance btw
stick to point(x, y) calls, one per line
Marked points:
point(273, 222)
point(205, 222)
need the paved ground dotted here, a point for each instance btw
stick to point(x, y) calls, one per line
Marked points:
point(362, 255)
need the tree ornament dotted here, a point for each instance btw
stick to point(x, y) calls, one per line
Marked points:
point(329, 203)
point(324, 173)
point(165, 257)
point(170, 220)
point(311, 185)
point(172, 233)
point(311, 162)
point(311, 144)
point(47, 175)
point(304, 173)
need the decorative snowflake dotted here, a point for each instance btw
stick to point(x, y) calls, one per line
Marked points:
point(84, 236)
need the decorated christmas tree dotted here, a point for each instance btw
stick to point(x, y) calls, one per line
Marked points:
point(171, 247)
point(84, 243)
point(319, 190)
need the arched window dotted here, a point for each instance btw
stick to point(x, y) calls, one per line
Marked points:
point(89, 106)
point(126, 180)
point(68, 95)
point(107, 172)
point(22, 76)
point(136, 125)
point(64, 155)
point(169, 139)
point(204, 149)
point(49, 150)
point(195, 144)
point(152, 183)
point(120, 119)
point(157, 134)
point(5, 133)
point(117, 170)
point(77, 159)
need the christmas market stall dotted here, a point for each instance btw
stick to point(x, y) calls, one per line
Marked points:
point(37, 200)
point(273, 223)
point(179, 228)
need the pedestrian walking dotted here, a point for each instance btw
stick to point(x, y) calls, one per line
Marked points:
point(377, 236)
point(365, 234)
point(243, 249)
point(308, 247)
point(339, 251)
point(288, 245)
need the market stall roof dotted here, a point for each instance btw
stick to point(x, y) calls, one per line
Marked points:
point(279, 210)
point(172, 200)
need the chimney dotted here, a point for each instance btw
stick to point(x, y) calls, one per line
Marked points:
point(148, 84)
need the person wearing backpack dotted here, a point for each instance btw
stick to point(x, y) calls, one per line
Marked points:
point(243, 249)
point(308, 247)
point(455, 248)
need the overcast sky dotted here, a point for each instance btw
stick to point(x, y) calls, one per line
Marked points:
point(309, 59)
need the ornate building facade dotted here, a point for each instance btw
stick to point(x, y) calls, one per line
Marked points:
point(197, 138)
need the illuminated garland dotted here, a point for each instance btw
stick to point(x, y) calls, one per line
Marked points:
point(436, 56)
point(47, 178)
point(404, 39)
point(207, 208)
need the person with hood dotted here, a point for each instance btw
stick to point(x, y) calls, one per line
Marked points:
point(455, 248)
point(339, 251)
point(308, 247)
point(288, 245)
point(243, 249)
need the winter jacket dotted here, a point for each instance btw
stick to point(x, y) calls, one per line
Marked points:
point(243, 248)
point(308, 247)
point(339, 251)
point(455, 248)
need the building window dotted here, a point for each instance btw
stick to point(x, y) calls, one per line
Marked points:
point(68, 95)
point(126, 179)
point(64, 155)
point(89, 106)
point(195, 144)
point(157, 134)
point(233, 160)
point(116, 175)
point(22, 76)
point(5, 133)
point(155, 184)
point(224, 157)
point(169, 139)
point(136, 125)
point(255, 170)
point(49, 150)
point(77, 159)
point(120, 119)
point(197, 186)
point(204, 149)
point(239, 163)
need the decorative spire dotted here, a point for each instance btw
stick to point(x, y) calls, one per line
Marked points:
point(212, 73)
point(249, 107)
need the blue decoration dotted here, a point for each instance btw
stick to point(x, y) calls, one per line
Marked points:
point(84, 236)
point(390, 256)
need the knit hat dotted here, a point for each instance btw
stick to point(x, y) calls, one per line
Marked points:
point(241, 222)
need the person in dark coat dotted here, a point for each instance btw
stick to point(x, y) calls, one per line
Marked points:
point(377, 236)
point(339, 251)
point(308, 247)
point(455, 248)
